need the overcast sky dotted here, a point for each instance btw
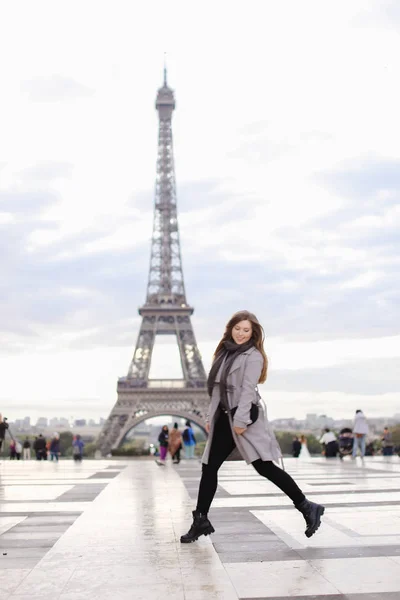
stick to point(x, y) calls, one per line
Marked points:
point(286, 140)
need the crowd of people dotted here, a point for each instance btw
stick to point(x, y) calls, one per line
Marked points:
point(41, 448)
point(173, 441)
point(349, 442)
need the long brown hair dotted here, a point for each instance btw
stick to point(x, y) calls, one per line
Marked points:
point(257, 336)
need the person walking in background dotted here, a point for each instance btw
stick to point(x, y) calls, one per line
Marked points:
point(55, 447)
point(237, 423)
point(3, 429)
point(387, 442)
point(13, 452)
point(189, 441)
point(304, 452)
point(27, 449)
point(18, 449)
point(360, 432)
point(163, 439)
point(296, 447)
point(329, 442)
point(175, 444)
point(77, 448)
point(39, 446)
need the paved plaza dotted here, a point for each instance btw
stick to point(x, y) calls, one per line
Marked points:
point(110, 530)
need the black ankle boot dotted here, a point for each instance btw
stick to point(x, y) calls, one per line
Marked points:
point(312, 513)
point(200, 526)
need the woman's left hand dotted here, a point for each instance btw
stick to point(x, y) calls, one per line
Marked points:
point(239, 430)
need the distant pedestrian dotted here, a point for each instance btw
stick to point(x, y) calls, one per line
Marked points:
point(163, 439)
point(27, 449)
point(387, 442)
point(304, 452)
point(3, 429)
point(330, 444)
point(175, 444)
point(189, 440)
point(77, 448)
point(55, 447)
point(39, 447)
point(18, 449)
point(360, 431)
point(13, 452)
point(296, 447)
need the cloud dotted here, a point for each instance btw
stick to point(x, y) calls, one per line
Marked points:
point(55, 88)
point(46, 171)
point(365, 178)
point(26, 203)
point(362, 377)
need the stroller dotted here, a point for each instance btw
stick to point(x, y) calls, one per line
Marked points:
point(345, 442)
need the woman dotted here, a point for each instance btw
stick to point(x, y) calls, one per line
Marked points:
point(360, 431)
point(163, 439)
point(55, 447)
point(175, 444)
point(13, 450)
point(304, 452)
point(77, 448)
point(189, 441)
point(239, 364)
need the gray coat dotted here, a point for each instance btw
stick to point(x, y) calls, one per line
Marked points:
point(258, 441)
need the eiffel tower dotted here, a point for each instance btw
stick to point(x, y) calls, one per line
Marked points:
point(165, 312)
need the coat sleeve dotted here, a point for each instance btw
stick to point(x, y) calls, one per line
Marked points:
point(251, 376)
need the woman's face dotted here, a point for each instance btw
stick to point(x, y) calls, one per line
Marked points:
point(241, 332)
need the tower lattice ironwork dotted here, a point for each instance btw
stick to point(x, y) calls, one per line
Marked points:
point(165, 312)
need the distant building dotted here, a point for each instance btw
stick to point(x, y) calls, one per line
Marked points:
point(80, 423)
point(42, 422)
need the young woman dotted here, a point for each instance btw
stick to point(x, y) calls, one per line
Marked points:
point(163, 440)
point(360, 431)
point(175, 444)
point(239, 365)
point(304, 452)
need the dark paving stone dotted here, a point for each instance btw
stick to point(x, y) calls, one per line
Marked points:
point(82, 492)
point(104, 475)
point(254, 547)
point(236, 514)
point(279, 554)
point(239, 528)
point(331, 483)
point(26, 543)
point(374, 596)
point(244, 537)
point(326, 493)
point(40, 528)
point(61, 516)
point(349, 552)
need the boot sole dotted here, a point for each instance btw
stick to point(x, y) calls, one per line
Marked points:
point(207, 531)
point(311, 532)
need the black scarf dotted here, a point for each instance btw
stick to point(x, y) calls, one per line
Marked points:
point(230, 351)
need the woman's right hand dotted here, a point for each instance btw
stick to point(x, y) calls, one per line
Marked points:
point(208, 427)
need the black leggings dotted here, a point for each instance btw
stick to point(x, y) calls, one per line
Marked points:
point(221, 447)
